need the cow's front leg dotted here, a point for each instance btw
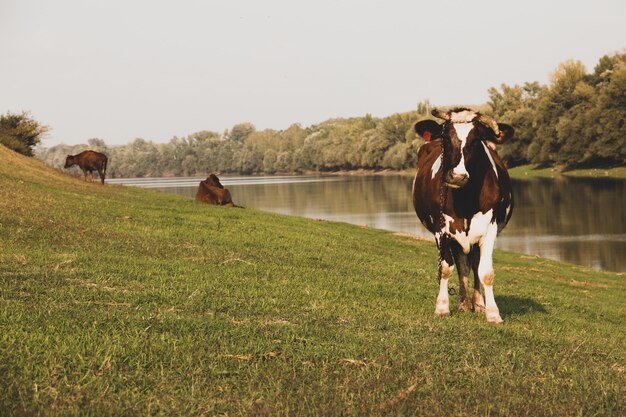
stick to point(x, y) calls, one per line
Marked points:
point(442, 307)
point(486, 274)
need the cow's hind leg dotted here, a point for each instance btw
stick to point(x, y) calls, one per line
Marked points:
point(102, 174)
point(442, 307)
point(462, 263)
point(486, 274)
point(478, 302)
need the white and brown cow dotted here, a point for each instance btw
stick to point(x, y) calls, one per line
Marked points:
point(462, 194)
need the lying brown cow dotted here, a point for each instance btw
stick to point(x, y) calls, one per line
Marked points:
point(89, 161)
point(211, 191)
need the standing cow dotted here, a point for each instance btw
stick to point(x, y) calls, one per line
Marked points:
point(88, 161)
point(462, 194)
point(211, 191)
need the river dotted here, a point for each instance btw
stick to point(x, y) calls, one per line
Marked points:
point(576, 220)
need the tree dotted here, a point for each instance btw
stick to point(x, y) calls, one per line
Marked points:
point(269, 161)
point(284, 162)
point(98, 145)
point(559, 98)
point(424, 108)
point(21, 133)
point(517, 106)
point(609, 144)
point(572, 128)
point(241, 131)
point(398, 156)
point(374, 145)
point(395, 128)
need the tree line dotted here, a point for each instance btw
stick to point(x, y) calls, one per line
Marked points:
point(577, 120)
point(338, 144)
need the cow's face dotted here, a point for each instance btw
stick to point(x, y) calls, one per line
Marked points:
point(461, 132)
point(69, 161)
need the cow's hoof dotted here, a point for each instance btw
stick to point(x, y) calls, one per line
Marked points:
point(493, 316)
point(465, 306)
point(442, 308)
point(442, 311)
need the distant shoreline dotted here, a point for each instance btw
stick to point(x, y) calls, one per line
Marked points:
point(519, 172)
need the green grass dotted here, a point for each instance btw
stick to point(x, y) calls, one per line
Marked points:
point(122, 301)
point(532, 171)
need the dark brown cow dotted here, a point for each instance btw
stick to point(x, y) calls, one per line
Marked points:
point(211, 191)
point(89, 161)
point(463, 173)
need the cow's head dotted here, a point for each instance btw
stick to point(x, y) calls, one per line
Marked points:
point(69, 161)
point(461, 132)
point(213, 181)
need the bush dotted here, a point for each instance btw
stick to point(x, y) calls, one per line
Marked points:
point(20, 132)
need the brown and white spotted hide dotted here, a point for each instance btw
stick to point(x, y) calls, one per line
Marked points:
point(459, 171)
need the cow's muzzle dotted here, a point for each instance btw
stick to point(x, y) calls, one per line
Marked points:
point(456, 180)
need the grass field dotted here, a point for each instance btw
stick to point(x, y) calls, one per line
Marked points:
point(122, 301)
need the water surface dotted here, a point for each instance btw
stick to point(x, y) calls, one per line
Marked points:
point(581, 221)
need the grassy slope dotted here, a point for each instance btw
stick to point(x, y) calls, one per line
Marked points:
point(125, 301)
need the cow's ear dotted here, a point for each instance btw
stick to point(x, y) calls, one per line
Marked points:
point(428, 129)
point(506, 132)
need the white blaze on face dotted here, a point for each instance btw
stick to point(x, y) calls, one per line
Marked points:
point(462, 131)
point(464, 116)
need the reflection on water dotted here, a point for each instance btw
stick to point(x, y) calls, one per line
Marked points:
point(578, 220)
point(581, 221)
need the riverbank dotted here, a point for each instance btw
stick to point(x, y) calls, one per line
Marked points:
point(534, 171)
point(118, 300)
point(519, 172)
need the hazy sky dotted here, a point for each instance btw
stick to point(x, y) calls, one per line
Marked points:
point(122, 69)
